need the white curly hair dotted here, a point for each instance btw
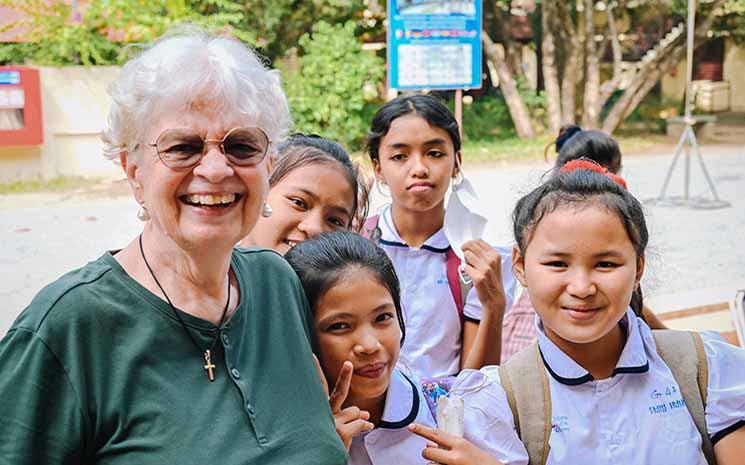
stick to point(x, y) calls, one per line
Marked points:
point(189, 65)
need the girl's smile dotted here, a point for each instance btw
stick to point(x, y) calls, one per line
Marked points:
point(356, 321)
point(580, 278)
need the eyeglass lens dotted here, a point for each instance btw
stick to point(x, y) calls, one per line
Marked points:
point(180, 148)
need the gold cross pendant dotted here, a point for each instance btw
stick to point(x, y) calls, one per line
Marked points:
point(209, 365)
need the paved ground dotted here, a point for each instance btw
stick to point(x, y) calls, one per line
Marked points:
point(45, 235)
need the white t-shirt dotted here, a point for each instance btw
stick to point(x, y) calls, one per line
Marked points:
point(637, 416)
point(391, 442)
point(433, 328)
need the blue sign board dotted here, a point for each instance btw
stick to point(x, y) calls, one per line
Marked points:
point(10, 77)
point(434, 44)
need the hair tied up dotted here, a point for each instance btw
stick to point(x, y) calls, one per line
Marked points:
point(565, 134)
point(587, 164)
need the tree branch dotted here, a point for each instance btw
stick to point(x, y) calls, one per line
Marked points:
point(652, 70)
point(515, 105)
point(609, 86)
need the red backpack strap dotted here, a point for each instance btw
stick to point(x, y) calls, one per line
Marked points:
point(452, 262)
point(370, 229)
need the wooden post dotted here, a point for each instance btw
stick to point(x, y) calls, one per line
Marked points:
point(459, 110)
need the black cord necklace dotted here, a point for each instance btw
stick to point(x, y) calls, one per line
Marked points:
point(209, 366)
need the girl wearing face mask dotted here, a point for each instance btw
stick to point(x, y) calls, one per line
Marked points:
point(414, 145)
point(314, 188)
point(354, 295)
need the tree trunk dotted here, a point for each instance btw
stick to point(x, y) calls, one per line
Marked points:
point(515, 105)
point(549, 66)
point(573, 49)
point(591, 107)
point(651, 72)
point(515, 59)
point(608, 87)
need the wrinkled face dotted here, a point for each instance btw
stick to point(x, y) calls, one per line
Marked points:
point(580, 269)
point(213, 203)
point(416, 161)
point(356, 321)
point(309, 200)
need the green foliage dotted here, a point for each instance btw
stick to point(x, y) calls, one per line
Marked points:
point(335, 91)
point(488, 117)
point(730, 21)
point(275, 26)
point(100, 33)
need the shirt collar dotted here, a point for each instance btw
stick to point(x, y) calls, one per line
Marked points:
point(437, 242)
point(566, 371)
point(402, 402)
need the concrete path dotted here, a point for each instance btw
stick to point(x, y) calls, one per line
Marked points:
point(45, 235)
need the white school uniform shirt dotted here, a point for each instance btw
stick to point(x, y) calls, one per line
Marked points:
point(391, 443)
point(433, 329)
point(637, 416)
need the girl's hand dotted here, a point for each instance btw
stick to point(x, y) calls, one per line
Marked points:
point(447, 449)
point(350, 421)
point(484, 266)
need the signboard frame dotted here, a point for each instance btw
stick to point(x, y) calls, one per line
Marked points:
point(434, 33)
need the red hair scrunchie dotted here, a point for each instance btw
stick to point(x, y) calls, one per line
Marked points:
point(587, 164)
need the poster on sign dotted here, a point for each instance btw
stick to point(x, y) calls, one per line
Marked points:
point(434, 44)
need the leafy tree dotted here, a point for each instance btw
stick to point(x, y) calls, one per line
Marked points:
point(98, 35)
point(333, 92)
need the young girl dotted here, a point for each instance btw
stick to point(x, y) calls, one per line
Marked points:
point(353, 292)
point(611, 397)
point(414, 145)
point(314, 187)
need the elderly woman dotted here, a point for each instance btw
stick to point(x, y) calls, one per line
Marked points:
point(177, 348)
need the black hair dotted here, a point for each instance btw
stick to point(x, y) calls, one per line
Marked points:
point(300, 150)
point(321, 261)
point(426, 106)
point(575, 188)
point(574, 143)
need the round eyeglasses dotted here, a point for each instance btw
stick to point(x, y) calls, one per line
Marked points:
point(183, 148)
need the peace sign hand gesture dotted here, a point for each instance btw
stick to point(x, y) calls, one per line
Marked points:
point(350, 421)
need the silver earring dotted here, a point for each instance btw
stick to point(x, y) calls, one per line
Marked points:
point(266, 212)
point(142, 213)
point(458, 179)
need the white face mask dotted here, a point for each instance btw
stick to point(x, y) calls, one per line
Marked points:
point(463, 222)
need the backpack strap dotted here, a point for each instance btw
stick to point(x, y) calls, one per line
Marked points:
point(683, 352)
point(457, 288)
point(370, 229)
point(524, 380)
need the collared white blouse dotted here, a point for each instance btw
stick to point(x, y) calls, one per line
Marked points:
point(433, 327)
point(391, 443)
point(637, 416)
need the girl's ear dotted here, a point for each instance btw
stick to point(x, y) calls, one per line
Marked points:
point(458, 164)
point(518, 265)
point(378, 171)
point(640, 263)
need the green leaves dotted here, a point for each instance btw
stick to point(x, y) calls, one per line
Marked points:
point(332, 93)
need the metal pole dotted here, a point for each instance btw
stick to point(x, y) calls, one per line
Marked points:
point(689, 121)
point(689, 60)
point(459, 110)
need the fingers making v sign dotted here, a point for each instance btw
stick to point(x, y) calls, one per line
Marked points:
point(349, 421)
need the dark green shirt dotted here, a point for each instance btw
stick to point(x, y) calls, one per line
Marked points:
point(98, 370)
